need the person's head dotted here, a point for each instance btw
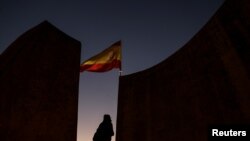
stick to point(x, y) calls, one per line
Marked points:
point(106, 117)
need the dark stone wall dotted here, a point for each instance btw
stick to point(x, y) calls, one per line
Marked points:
point(39, 77)
point(204, 83)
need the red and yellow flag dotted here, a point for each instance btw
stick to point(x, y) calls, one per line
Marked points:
point(106, 60)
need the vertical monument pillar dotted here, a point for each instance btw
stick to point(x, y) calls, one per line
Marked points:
point(39, 77)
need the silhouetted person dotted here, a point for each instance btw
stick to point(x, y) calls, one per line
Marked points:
point(105, 130)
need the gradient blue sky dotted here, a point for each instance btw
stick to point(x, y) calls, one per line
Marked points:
point(150, 30)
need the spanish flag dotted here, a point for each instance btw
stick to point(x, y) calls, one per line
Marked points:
point(106, 60)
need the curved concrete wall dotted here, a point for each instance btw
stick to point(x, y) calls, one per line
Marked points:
point(206, 82)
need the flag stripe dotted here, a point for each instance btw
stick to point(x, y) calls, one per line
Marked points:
point(102, 67)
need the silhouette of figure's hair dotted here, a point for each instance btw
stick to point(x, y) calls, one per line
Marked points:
point(106, 117)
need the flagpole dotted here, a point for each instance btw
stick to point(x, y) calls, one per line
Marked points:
point(120, 72)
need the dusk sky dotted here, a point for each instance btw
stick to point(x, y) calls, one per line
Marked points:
point(150, 31)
